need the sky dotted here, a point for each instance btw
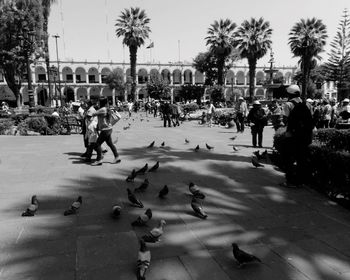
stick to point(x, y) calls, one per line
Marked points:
point(179, 27)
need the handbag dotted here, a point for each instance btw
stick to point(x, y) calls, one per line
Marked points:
point(114, 117)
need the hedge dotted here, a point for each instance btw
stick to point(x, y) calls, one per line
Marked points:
point(329, 158)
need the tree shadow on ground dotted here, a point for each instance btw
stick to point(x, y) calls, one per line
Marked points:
point(290, 230)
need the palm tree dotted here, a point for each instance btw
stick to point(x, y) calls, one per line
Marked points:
point(307, 39)
point(253, 40)
point(46, 4)
point(220, 37)
point(132, 25)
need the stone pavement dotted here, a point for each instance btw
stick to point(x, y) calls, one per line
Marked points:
point(297, 233)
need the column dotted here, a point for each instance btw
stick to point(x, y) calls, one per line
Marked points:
point(75, 94)
point(74, 78)
point(88, 93)
point(113, 97)
point(87, 77)
point(99, 78)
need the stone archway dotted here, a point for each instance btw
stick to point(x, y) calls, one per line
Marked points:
point(42, 95)
point(69, 94)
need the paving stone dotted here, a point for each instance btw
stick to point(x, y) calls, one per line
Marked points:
point(201, 265)
point(114, 249)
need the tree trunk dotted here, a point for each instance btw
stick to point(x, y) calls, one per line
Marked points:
point(47, 56)
point(133, 57)
point(9, 74)
point(221, 63)
point(252, 69)
point(304, 81)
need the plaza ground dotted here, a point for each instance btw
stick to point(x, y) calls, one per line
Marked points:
point(297, 233)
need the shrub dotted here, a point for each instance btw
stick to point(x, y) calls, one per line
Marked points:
point(335, 139)
point(191, 107)
point(36, 124)
point(5, 126)
point(19, 118)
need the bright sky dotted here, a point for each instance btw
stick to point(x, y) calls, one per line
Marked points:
point(86, 28)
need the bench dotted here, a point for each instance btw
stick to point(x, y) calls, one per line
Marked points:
point(73, 124)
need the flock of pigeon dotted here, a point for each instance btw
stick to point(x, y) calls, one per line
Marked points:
point(144, 254)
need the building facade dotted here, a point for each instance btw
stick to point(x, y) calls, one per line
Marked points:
point(84, 80)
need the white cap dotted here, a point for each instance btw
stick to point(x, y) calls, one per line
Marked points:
point(309, 100)
point(240, 98)
point(292, 89)
point(346, 100)
point(256, 102)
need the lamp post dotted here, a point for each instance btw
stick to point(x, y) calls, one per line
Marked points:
point(58, 68)
point(27, 41)
point(53, 72)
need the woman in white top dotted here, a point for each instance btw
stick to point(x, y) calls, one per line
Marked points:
point(210, 112)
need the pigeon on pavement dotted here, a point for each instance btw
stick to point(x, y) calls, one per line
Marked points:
point(143, 186)
point(163, 192)
point(243, 257)
point(256, 162)
point(233, 138)
point(198, 209)
point(143, 260)
point(154, 167)
point(154, 235)
point(187, 141)
point(116, 210)
point(143, 219)
point(151, 145)
point(32, 208)
point(74, 208)
point(133, 199)
point(196, 191)
point(143, 170)
point(196, 149)
point(209, 147)
point(234, 148)
point(163, 144)
point(132, 176)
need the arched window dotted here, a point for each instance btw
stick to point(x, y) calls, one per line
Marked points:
point(230, 77)
point(240, 78)
point(188, 77)
point(142, 76)
point(177, 77)
point(260, 78)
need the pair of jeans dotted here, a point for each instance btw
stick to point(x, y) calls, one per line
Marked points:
point(166, 119)
point(105, 136)
point(240, 122)
point(257, 132)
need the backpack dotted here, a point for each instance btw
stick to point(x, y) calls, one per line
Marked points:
point(114, 117)
point(300, 120)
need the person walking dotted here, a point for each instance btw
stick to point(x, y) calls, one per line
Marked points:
point(91, 134)
point(166, 111)
point(210, 112)
point(105, 129)
point(257, 120)
point(241, 114)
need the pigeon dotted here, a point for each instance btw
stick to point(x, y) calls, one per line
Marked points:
point(163, 192)
point(233, 138)
point(132, 176)
point(143, 261)
point(234, 148)
point(187, 141)
point(243, 257)
point(209, 147)
point(32, 208)
point(126, 127)
point(74, 208)
point(154, 167)
point(198, 209)
point(141, 119)
point(264, 154)
point(133, 199)
point(116, 210)
point(258, 155)
point(196, 191)
point(154, 235)
point(256, 162)
point(163, 144)
point(151, 145)
point(143, 170)
point(143, 186)
point(196, 149)
point(143, 219)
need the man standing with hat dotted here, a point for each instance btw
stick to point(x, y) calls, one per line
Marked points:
point(257, 120)
point(298, 138)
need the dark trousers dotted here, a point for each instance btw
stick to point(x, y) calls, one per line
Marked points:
point(105, 136)
point(89, 150)
point(166, 119)
point(240, 122)
point(155, 111)
point(296, 164)
point(175, 120)
point(257, 134)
